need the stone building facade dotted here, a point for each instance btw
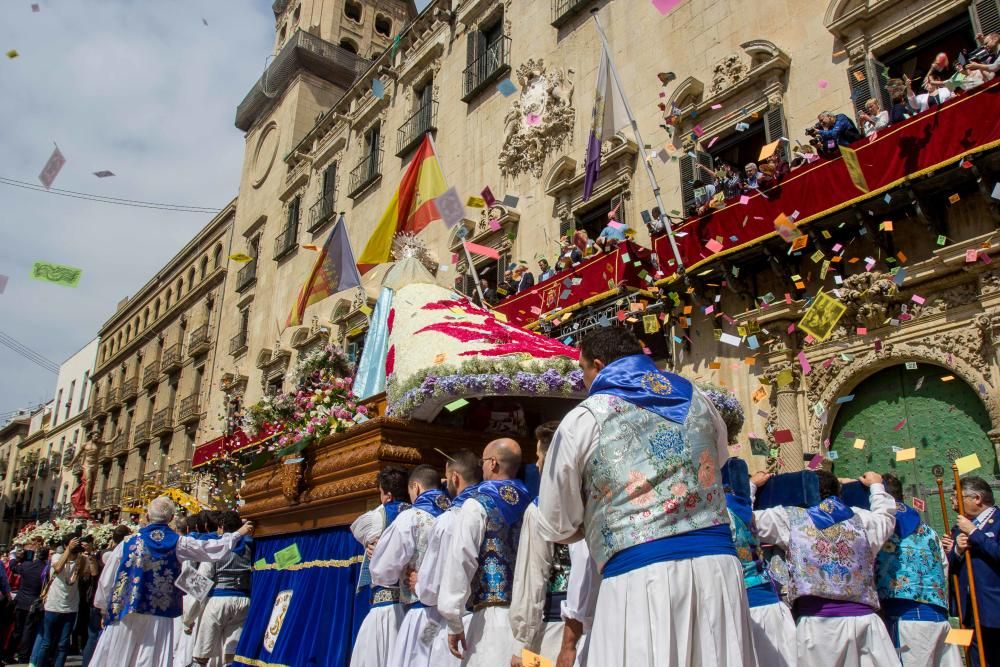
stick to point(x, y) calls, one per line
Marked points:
point(323, 144)
point(11, 435)
point(149, 401)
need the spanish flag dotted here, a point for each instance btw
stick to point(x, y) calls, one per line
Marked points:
point(412, 207)
point(333, 272)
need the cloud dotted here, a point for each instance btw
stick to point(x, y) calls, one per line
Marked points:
point(143, 89)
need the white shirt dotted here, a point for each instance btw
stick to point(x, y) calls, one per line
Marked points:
point(187, 548)
point(561, 500)
point(369, 526)
point(773, 526)
point(63, 597)
point(438, 547)
point(396, 548)
point(463, 561)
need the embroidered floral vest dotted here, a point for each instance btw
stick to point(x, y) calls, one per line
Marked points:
point(910, 568)
point(504, 502)
point(144, 583)
point(836, 563)
point(748, 551)
point(649, 477)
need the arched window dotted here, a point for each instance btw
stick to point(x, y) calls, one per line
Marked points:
point(145, 318)
point(180, 287)
point(352, 10)
point(217, 257)
point(190, 278)
point(169, 294)
point(348, 45)
point(203, 268)
point(128, 332)
point(136, 325)
point(383, 25)
point(156, 310)
point(83, 389)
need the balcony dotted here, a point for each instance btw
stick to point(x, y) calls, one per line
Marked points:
point(171, 360)
point(100, 407)
point(55, 462)
point(105, 450)
point(114, 398)
point(247, 276)
point(67, 455)
point(286, 242)
point(163, 422)
point(140, 434)
point(410, 133)
point(564, 10)
point(199, 341)
point(190, 410)
point(368, 171)
point(321, 211)
point(151, 374)
point(43, 469)
point(179, 474)
point(238, 344)
point(130, 389)
point(130, 493)
point(119, 444)
point(111, 498)
point(487, 68)
point(302, 52)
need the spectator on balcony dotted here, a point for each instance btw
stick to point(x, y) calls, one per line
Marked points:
point(703, 194)
point(570, 251)
point(751, 180)
point(832, 131)
point(728, 181)
point(544, 270)
point(987, 63)
point(523, 278)
point(936, 92)
point(31, 571)
point(612, 234)
point(505, 287)
point(489, 294)
point(898, 94)
point(873, 118)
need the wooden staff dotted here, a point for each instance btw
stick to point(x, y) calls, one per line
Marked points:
point(968, 571)
point(954, 577)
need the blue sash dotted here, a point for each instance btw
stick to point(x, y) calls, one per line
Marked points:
point(464, 495)
point(713, 541)
point(432, 501)
point(895, 610)
point(511, 497)
point(907, 520)
point(830, 511)
point(762, 595)
point(740, 506)
point(637, 380)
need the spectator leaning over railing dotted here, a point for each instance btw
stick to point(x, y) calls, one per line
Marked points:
point(989, 63)
point(873, 118)
point(832, 131)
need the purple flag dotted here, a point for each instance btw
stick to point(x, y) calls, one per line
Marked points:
point(51, 169)
point(608, 117)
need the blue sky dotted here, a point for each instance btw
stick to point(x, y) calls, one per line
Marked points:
point(143, 89)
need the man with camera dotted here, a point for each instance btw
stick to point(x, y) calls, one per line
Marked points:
point(832, 131)
point(62, 600)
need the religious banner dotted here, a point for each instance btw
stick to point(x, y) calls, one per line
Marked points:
point(822, 316)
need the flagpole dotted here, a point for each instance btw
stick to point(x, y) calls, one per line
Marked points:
point(664, 219)
point(468, 257)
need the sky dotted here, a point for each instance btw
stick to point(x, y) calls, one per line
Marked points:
point(141, 88)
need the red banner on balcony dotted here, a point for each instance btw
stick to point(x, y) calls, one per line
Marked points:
point(229, 444)
point(592, 280)
point(961, 127)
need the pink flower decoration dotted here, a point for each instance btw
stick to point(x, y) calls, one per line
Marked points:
point(390, 360)
point(639, 491)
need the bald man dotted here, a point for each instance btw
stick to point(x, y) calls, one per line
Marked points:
point(483, 551)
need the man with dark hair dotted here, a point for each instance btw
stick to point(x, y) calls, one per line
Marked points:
point(482, 560)
point(378, 631)
point(912, 584)
point(401, 549)
point(978, 532)
point(554, 585)
point(463, 475)
point(831, 550)
point(228, 604)
point(634, 469)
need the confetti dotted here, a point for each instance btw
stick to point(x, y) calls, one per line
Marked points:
point(815, 461)
point(52, 167)
point(66, 276)
point(859, 443)
point(900, 425)
point(954, 199)
point(971, 255)
point(713, 245)
point(475, 202)
point(822, 83)
point(730, 339)
point(510, 201)
point(996, 191)
point(449, 205)
point(906, 454)
point(13, 54)
point(783, 436)
point(104, 173)
point(456, 405)
point(806, 368)
point(967, 464)
point(911, 365)
point(833, 455)
point(288, 556)
point(918, 504)
point(958, 636)
point(507, 87)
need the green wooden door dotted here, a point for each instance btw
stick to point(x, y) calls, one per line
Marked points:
point(941, 418)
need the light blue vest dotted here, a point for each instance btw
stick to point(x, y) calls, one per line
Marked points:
point(144, 583)
point(748, 551)
point(910, 568)
point(649, 477)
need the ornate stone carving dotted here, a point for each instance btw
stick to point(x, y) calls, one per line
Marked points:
point(728, 72)
point(540, 121)
point(292, 475)
point(870, 298)
point(770, 374)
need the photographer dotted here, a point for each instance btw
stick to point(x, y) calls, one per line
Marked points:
point(62, 601)
point(832, 131)
point(987, 60)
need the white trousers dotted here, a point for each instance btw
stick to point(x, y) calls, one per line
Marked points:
point(376, 636)
point(773, 635)
point(921, 643)
point(849, 641)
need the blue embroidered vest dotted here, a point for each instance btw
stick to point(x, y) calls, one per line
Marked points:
point(383, 595)
point(428, 506)
point(748, 551)
point(650, 477)
point(504, 502)
point(835, 562)
point(909, 565)
point(144, 583)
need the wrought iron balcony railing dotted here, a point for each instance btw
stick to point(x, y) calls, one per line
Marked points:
point(564, 10)
point(190, 410)
point(287, 241)
point(140, 434)
point(171, 360)
point(238, 343)
point(487, 68)
point(100, 407)
point(199, 341)
point(163, 422)
point(151, 374)
point(114, 398)
point(321, 211)
point(410, 133)
point(368, 171)
point(130, 389)
point(67, 455)
point(120, 444)
point(246, 276)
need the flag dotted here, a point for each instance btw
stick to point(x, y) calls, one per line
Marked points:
point(412, 207)
point(52, 167)
point(608, 117)
point(482, 250)
point(333, 272)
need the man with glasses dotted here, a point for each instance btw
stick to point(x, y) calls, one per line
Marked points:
point(978, 532)
point(483, 551)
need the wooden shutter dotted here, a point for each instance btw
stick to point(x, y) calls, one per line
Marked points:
point(985, 16)
point(861, 89)
point(774, 127)
point(329, 178)
point(615, 201)
point(690, 173)
point(566, 225)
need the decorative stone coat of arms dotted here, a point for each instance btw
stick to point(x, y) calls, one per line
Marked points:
point(540, 120)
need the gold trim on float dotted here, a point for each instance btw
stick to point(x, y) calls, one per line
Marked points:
point(258, 663)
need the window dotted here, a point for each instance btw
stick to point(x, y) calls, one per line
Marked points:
point(297, 15)
point(348, 45)
point(238, 343)
point(487, 53)
point(169, 294)
point(383, 25)
point(202, 268)
point(287, 240)
point(145, 318)
point(370, 166)
point(217, 256)
point(274, 386)
point(322, 210)
point(156, 310)
point(352, 10)
point(69, 399)
point(180, 287)
point(83, 389)
point(190, 278)
point(136, 327)
point(55, 410)
point(355, 346)
point(596, 219)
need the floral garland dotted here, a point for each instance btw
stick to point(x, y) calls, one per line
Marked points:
point(729, 407)
point(52, 533)
point(512, 375)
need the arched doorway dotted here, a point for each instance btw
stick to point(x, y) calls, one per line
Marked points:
point(928, 408)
